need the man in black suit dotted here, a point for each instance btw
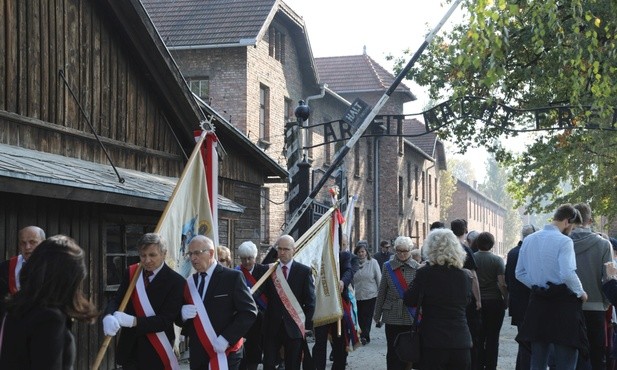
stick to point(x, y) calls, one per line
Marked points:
point(253, 346)
point(339, 343)
point(225, 310)
point(148, 335)
point(285, 324)
point(28, 239)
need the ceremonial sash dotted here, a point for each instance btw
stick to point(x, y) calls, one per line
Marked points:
point(13, 275)
point(142, 307)
point(289, 299)
point(400, 284)
point(205, 330)
point(261, 300)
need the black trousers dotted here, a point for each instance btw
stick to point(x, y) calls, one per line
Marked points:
point(493, 311)
point(523, 357)
point(596, 333)
point(320, 347)
point(366, 308)
point(293, 350)
point(392, 360)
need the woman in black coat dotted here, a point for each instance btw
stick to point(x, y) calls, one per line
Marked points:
point(36, 329)
point(443, 289)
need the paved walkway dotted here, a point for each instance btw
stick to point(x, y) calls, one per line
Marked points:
point(373, 355)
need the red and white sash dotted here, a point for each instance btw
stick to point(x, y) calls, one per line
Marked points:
point(159, 340)
point(289, 299)
point(15, 264)
point(205, 330)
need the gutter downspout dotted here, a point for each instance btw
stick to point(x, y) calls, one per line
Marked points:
point(306, 123)
point(426, 201)
point(376, 231)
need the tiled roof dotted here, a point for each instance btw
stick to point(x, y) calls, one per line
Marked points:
point(208, 22)
point(356, 73)
point(425, 142)
point(56, 170)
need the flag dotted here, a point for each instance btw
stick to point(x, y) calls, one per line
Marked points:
point(349, 218)
point(187, 213)
point(319, 248)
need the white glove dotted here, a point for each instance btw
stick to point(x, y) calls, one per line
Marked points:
point(125, 320)
point(220, 344)
point(110, 325)
point(189, 311)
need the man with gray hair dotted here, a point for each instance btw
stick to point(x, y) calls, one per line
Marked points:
point(592, 252)
point(518, 295)
point(28, 239)
point(252, 271)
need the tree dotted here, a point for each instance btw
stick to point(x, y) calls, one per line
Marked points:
point(494, 186)
point(447, 186)
point(529, 54)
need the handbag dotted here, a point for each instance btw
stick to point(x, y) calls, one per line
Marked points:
point(407, 344)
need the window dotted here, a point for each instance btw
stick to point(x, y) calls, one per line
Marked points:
point(288, 114)
point(356, 160)
point(409, 228)
point(436, 190)
point(416, 181)
point(277, 44)
point(424, 231)
point(417, 236)
point(264, 211)
point(356, 223)
point(327, 154)
point(423, 187)
point(400, 145)
point(369, 223)
point(200, 86)
point(264, 112)
point(121, 250)
point(409, 180)
point(369, 160)
point(430, 189)
point(400, 195)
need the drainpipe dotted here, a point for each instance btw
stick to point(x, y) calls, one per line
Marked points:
point(376, 234)
point(307, 100)
point(426, 199)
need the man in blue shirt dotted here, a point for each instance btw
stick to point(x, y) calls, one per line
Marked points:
point(547, 265)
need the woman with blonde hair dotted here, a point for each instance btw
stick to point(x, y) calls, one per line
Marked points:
point(443, 290)
point(397, 275)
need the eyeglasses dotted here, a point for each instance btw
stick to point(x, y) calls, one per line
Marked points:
point(246, 258)
point(195, 253)
point(403, 251)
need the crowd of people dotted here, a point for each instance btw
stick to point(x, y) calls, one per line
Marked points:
point(558, 284)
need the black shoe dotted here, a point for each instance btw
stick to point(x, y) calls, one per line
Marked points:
point(363, 341)
point(331, 356)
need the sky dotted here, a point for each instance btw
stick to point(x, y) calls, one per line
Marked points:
point(386, 27)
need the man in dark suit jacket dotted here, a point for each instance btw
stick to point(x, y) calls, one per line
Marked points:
point(280, 328)
point(339, 351)
point(28, 239)
point(163, 288)
point(227, 302)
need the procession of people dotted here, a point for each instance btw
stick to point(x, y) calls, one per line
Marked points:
point(558, 284)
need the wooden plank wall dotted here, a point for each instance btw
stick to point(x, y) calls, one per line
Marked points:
point(41, 38)
point(85, 223)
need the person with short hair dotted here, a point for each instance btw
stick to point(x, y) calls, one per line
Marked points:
point(286, 324)
point(518, 297)
point(252, 271)
point(218, 310)
point(148, 319)
point(554, 318)
point(396, 276)
point(491, 271)
point(36, 331)
point(384, 253)
point(28, 238)
point(592, 251)
point(366, 285)
point(470, 238)
point(443, 290)
point(223, 255)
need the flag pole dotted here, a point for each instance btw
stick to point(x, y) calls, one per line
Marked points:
point(131, 287)
point(301, 241)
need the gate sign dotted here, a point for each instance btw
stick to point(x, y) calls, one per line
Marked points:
point(358, 110)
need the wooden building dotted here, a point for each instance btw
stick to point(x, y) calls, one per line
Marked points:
point(96, 123)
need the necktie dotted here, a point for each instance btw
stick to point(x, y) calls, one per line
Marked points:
point(147, 275)
point(285, 272)
point(202, 283)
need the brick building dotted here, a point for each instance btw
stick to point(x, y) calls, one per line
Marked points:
point(481, 213)
point(252, 62)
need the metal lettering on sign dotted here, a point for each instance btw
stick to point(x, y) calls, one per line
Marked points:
point(357, 112)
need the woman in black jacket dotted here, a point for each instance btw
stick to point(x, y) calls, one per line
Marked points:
point(443, 289)
point(36, 329)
